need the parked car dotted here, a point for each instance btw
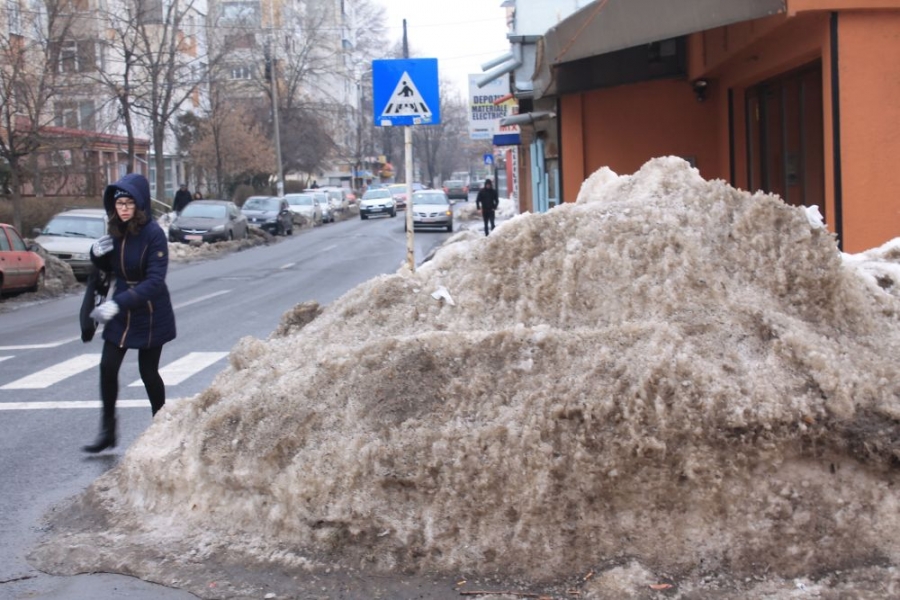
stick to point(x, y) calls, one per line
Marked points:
point(338, 197)
point(456, 189)
point(377, 202)
point(209, 221)
point(431, 208)
point(269, 213)
point(327, 209)
point(21, 270)
point(69, 236)
point(307, 205)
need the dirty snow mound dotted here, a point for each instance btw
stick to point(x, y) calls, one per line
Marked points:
point(670, 370)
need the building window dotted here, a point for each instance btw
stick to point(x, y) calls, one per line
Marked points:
point(240, 13)
point(76, 57)
point(61, 158)
point(75, 114)
point(14, 17)
point(240, 40)
point(68, 57)
point(149, 11)
point(241, 73)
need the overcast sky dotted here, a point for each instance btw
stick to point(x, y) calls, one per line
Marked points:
point(461, 34)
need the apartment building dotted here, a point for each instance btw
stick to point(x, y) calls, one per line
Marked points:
point(307, 47)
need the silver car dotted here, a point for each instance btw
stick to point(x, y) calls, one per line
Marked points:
point(431, 208)
point(69, 235)
point(306, 204)
point(337, 197)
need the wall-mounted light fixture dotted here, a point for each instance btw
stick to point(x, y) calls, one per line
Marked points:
point(700, 86)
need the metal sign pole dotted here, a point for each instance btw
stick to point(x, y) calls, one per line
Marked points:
point(410, 247)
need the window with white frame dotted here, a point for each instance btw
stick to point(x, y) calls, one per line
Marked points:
point(75, 114)
point(76, 56)
point(68, 57)
point(241, 72)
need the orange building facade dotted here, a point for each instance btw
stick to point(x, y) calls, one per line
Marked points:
point(804, 104)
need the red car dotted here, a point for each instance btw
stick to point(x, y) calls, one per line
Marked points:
point(21, 270)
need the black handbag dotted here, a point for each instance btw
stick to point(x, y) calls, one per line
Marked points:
point(94, 294)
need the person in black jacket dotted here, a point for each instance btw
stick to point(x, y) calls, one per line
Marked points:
point(139, 315)
point(182, 198)
point(487, 201)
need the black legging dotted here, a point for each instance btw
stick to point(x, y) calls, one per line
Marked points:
point(488, 218)
point(148, 364)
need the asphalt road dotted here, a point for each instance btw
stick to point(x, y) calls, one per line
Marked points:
point(49, 393)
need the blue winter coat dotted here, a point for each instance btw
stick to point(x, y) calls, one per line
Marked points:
point(140, 262)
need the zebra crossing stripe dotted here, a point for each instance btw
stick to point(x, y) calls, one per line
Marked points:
point(176, 372)
point(38, 346)
point(55, 374)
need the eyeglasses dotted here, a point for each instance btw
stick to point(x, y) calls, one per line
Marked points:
point(124, 204)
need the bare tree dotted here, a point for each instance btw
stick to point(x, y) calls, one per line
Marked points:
point(438, 146)
point(157, 65)
point(369, 32)
point(122, 81)
point(29, 69)
point(230, 145)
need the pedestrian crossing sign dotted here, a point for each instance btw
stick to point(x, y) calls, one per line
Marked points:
point(405, 92)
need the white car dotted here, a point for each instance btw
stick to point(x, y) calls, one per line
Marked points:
point(306, 204)
point(377, 202)
point(337, 197)
point(327, 209)
point(69, 235)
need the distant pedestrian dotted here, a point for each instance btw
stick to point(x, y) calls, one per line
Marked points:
point(182, 198)
point(487, 201)
point(139, 315)
point(198, 195)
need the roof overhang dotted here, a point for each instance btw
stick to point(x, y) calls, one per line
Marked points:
point(605, 26)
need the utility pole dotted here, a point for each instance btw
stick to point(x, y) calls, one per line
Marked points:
point(407, 145)
point(272, 78)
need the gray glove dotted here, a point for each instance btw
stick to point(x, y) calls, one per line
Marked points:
point(102, 245)
point(105, 312)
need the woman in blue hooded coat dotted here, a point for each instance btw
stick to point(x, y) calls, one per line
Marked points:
point(139, 315)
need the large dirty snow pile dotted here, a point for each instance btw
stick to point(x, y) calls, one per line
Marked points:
point(669, 371)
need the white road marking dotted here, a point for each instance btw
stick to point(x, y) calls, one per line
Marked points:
point(47, 377)
point(2, 358)
point(77, 404)
point(176, 372)
point(38, 346)
point(200, 299)
point(68, 340)
point(287, 266)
